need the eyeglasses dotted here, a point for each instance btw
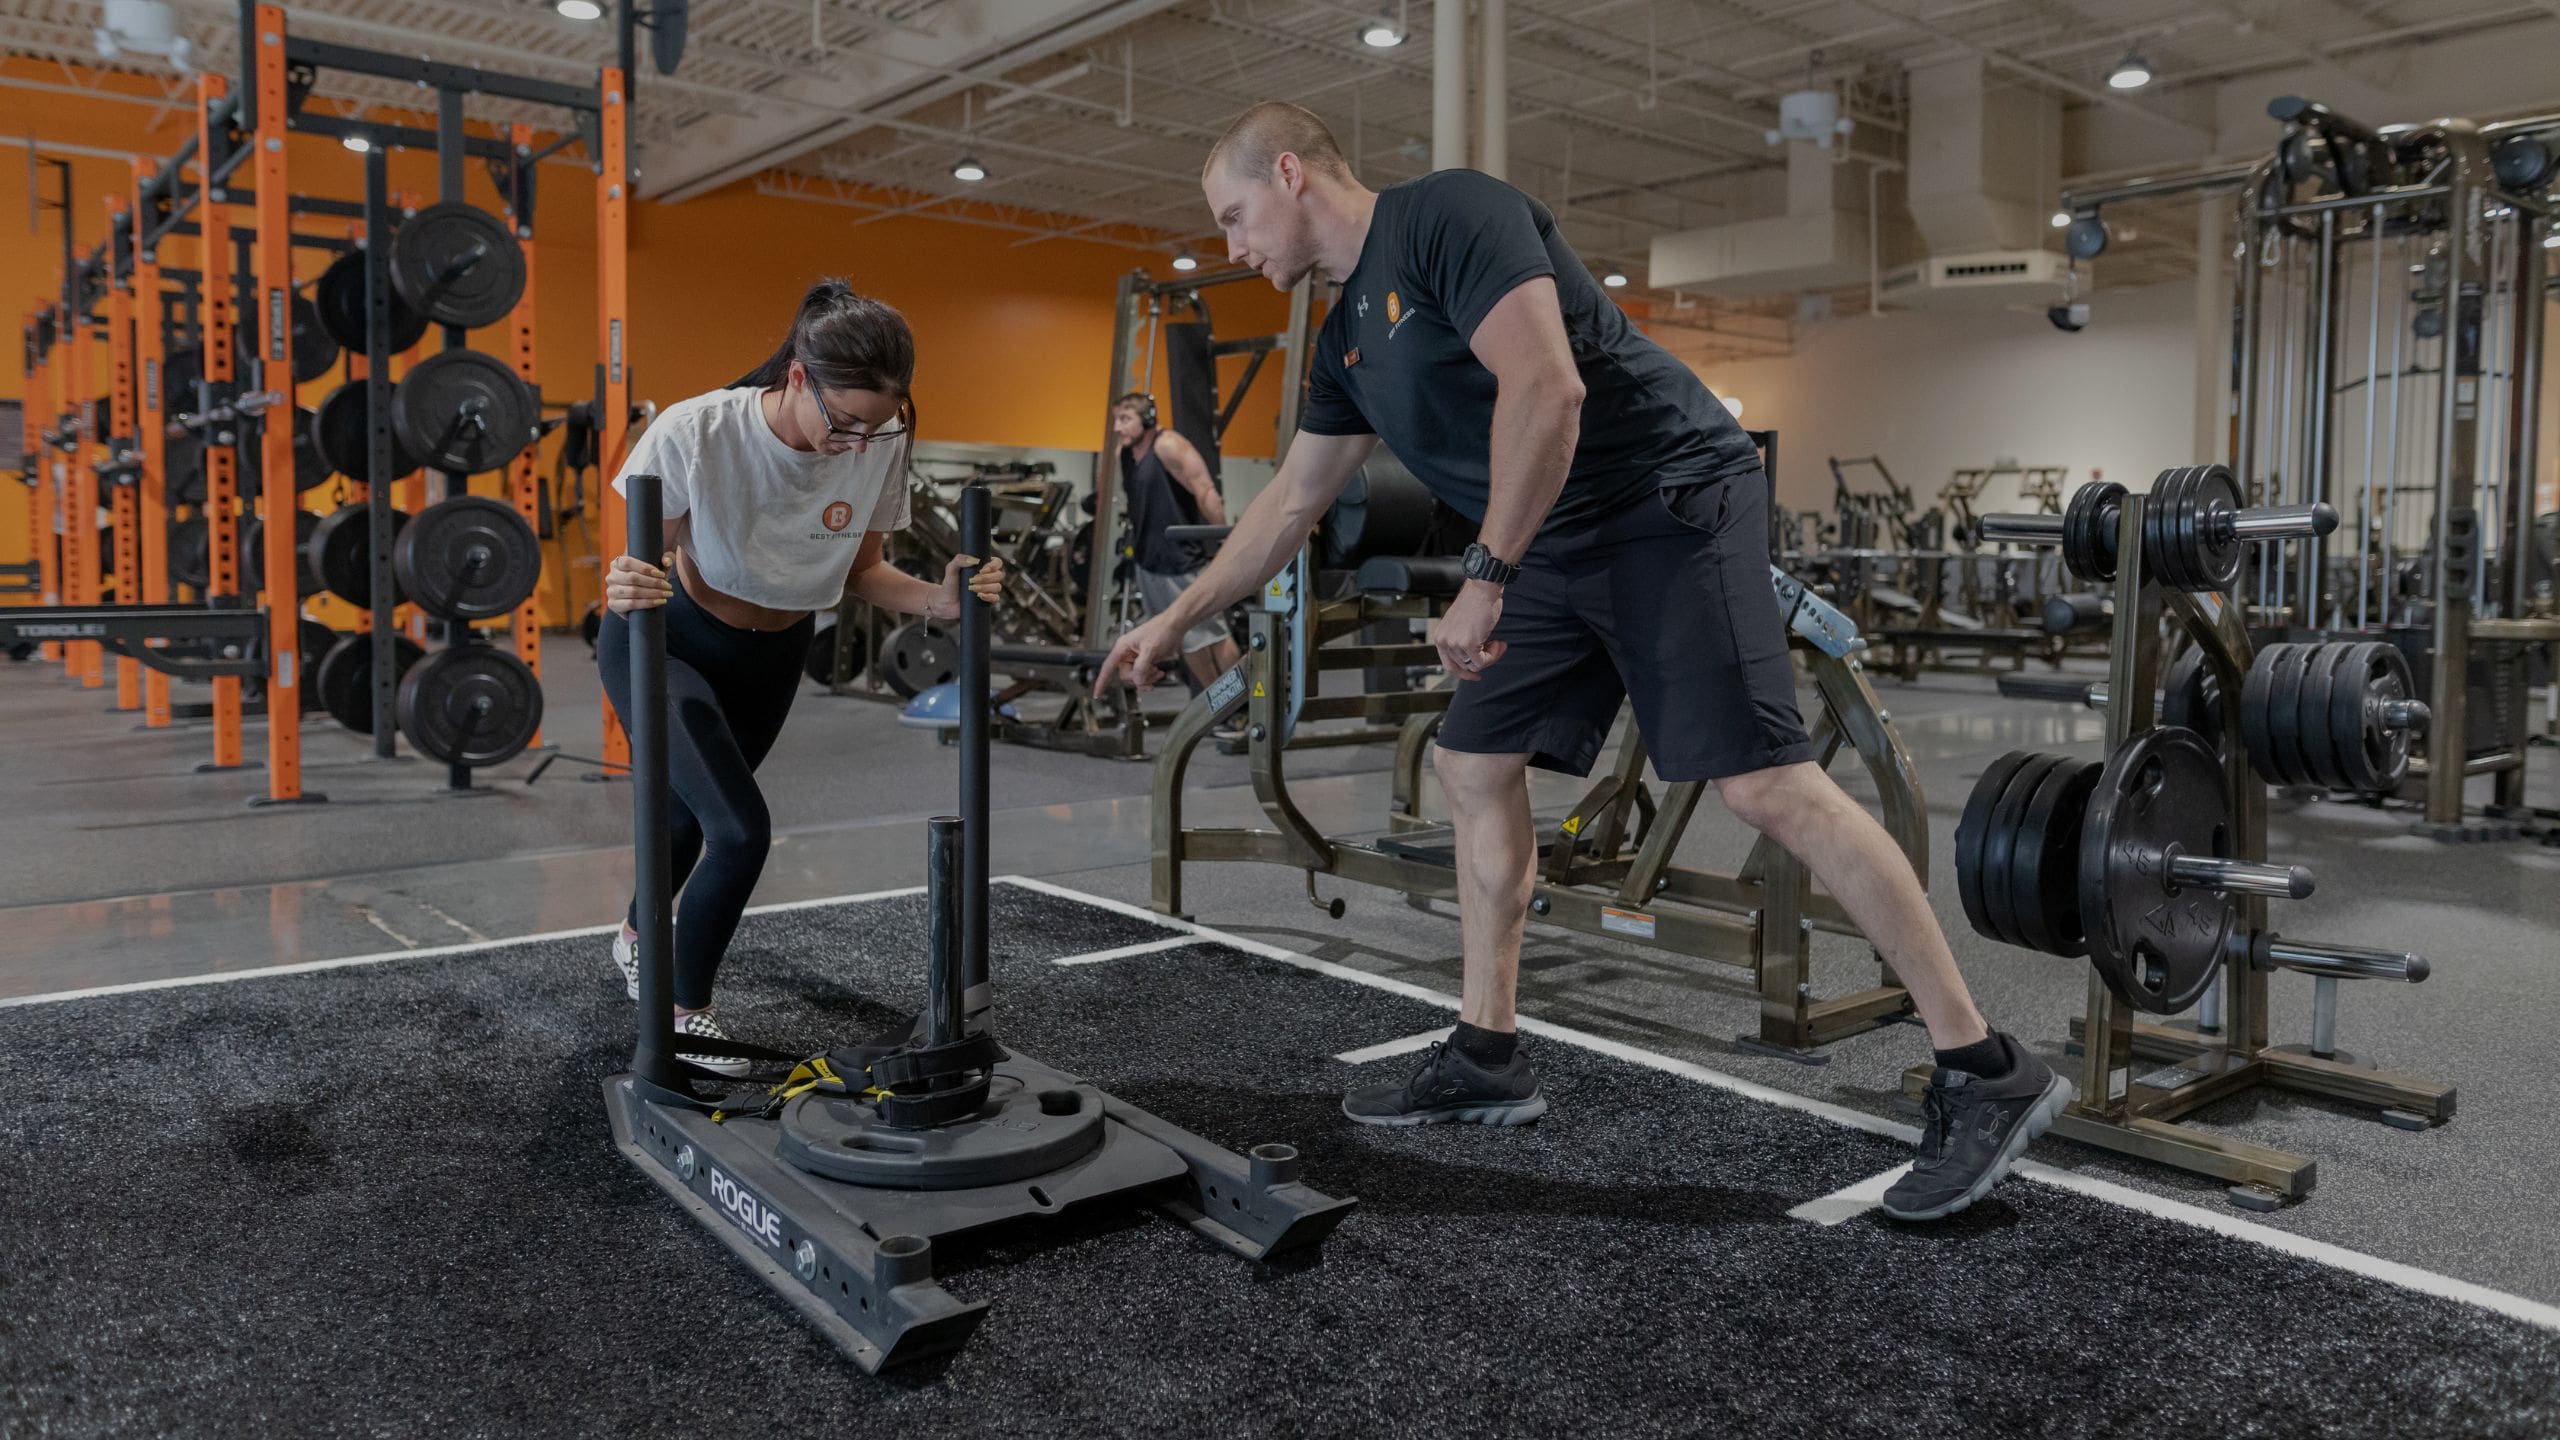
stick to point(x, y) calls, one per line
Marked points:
point(890, 431)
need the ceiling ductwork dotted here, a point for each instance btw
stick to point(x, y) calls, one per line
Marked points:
point(1821, 243)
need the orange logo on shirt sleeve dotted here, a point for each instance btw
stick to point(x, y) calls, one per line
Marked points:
point(837, 516)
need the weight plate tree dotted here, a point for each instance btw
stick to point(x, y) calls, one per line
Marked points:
point(344, 677)
point(474, 705)
point(463, 412)
point(338, 299)
point(456, 263)
point(467, 558)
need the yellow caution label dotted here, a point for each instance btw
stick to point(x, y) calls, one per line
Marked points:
point(1572, 825)
point(1257, 689)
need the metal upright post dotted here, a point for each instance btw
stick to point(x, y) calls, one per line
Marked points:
point(973, 758)
point(653, 1053)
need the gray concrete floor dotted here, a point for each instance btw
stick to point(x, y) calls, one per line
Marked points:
point(118, 864)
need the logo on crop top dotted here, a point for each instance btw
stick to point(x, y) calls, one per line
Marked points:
point(837, 516)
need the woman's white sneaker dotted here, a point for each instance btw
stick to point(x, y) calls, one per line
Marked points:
point(626, 958)
point(700, 1024)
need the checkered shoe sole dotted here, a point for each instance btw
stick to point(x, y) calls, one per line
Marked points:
point(626, 959)
point(700, 1024)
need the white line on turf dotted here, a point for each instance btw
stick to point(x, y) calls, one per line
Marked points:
point(1149, 947)
point(2407, 1277)
point(1849, 1202)
point(1387, 1048)
point(422, 952)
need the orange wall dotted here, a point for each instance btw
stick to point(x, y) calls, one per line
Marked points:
point(1013, 340)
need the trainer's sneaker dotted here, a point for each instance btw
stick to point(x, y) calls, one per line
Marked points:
point(1447, 1087)
point(1977, 1129)
point(700, 1023)
point(626, 958)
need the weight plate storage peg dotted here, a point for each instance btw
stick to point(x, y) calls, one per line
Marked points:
point(467, 558)
point(463, 412)
point(344, 677)
point(338, 299)
point(338, 553)
point(457, 263)
point(338, 433)
point(2089, 530)
point(2156, 876)
point(474, 705)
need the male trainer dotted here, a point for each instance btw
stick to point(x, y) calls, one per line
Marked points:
point(1165, 482)
point(1623, 552)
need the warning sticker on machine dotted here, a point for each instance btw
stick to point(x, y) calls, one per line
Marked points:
point(1626, 922)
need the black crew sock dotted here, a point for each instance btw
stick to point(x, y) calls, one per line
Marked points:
point(1984, 1059)
point(1488, 1048)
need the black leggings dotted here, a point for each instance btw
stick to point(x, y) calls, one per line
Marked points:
point(727, 693)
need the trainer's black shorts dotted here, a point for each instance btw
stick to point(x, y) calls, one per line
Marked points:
point(1671, 610)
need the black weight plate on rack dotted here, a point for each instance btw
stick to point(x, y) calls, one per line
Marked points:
point(317, 637)
point(253, 555)
point(314, 348)
point(2373, 758)
point(2044, 861)
point(1999, 897)
point(338, 299)
point(2214, 557)
point(337, 554)
point(191, 554)
point(182, 455)
point(1972, 827)
point(338, 432)
point(2164, 540)
point(918, 656)
point(463, 411)
point(2089, 530)
point(2284, 715)
point(2257, 729)
point(310, 468)
point(820, 664)
point(2155, 945)
point(475, 705)
point(456, 263)
point(467, 558)
point(2319, 750)
point(344, 677)
point(2191, 698)
point(591, 625)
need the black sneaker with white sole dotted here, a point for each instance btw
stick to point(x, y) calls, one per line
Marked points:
point(1977, 1130)
point(1449, 1088)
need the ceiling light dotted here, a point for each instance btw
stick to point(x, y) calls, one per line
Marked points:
point(2061, 219)
point(1186, 261)
point(1732, 406)
point(579, 10)
point(2551, 241)
point(2131, 73)
point(1382, 34)
point(357, 143)
point(1615, 279)
point(968, 168)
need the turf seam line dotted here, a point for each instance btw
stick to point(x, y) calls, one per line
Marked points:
point(2339, 1257)
point(1385, 1049)
point(463, 947)
point(1143, 947)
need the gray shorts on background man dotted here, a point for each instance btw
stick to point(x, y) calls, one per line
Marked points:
point(1158, 590)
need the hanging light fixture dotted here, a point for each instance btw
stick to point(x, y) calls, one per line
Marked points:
point(1384, 33)
point(1186, 261)
point(2131, 73)
point(579, 10)
point(1615, 279)
point(966, 168)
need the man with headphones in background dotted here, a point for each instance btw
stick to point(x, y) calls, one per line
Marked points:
point(1165, 482)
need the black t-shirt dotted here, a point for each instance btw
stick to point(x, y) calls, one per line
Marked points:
point(1392, 358)
point(1157, 500)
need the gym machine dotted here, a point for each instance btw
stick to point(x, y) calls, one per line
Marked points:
point(2389, 296)
point(1606, 868)
point(836, 1185)
point(2153, 862)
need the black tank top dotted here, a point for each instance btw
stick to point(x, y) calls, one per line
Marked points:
point(1155, 501)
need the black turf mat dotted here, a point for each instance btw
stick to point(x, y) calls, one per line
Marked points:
point(382, 1200)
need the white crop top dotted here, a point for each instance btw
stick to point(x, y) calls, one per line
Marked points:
point(772, 526)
